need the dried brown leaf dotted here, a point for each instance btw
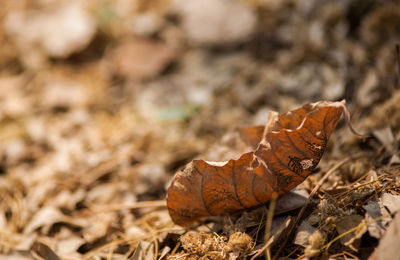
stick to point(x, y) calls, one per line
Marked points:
point(42, 251)
point(345, 224)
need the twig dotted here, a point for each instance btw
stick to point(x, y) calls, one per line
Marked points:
point(273, 238)
point(268, 225)
point(258, 230)
point(313, 192)
point(362, 224)
point(136, 205)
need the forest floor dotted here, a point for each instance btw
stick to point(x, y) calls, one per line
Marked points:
point(101, 102)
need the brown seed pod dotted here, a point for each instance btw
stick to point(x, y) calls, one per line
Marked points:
point(289, 148)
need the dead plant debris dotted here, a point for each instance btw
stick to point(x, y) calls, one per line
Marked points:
point(101, 102)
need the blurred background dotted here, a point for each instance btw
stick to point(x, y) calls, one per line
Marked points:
point(102, 101)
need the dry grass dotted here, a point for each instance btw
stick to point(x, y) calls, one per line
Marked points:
point(96, 118)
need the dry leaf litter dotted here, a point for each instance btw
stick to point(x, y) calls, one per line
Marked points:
point(102, 101)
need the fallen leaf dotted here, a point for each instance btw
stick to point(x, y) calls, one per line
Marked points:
point(61, 31)
point(385, 136)
point(390, 243)
point(208, 22)
point(292, 200)
point(375, 228)
point(42, 251)
point(390, 202)
point(290, 148)
point(303, 233)
point(141, 58)
point(346, 223)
